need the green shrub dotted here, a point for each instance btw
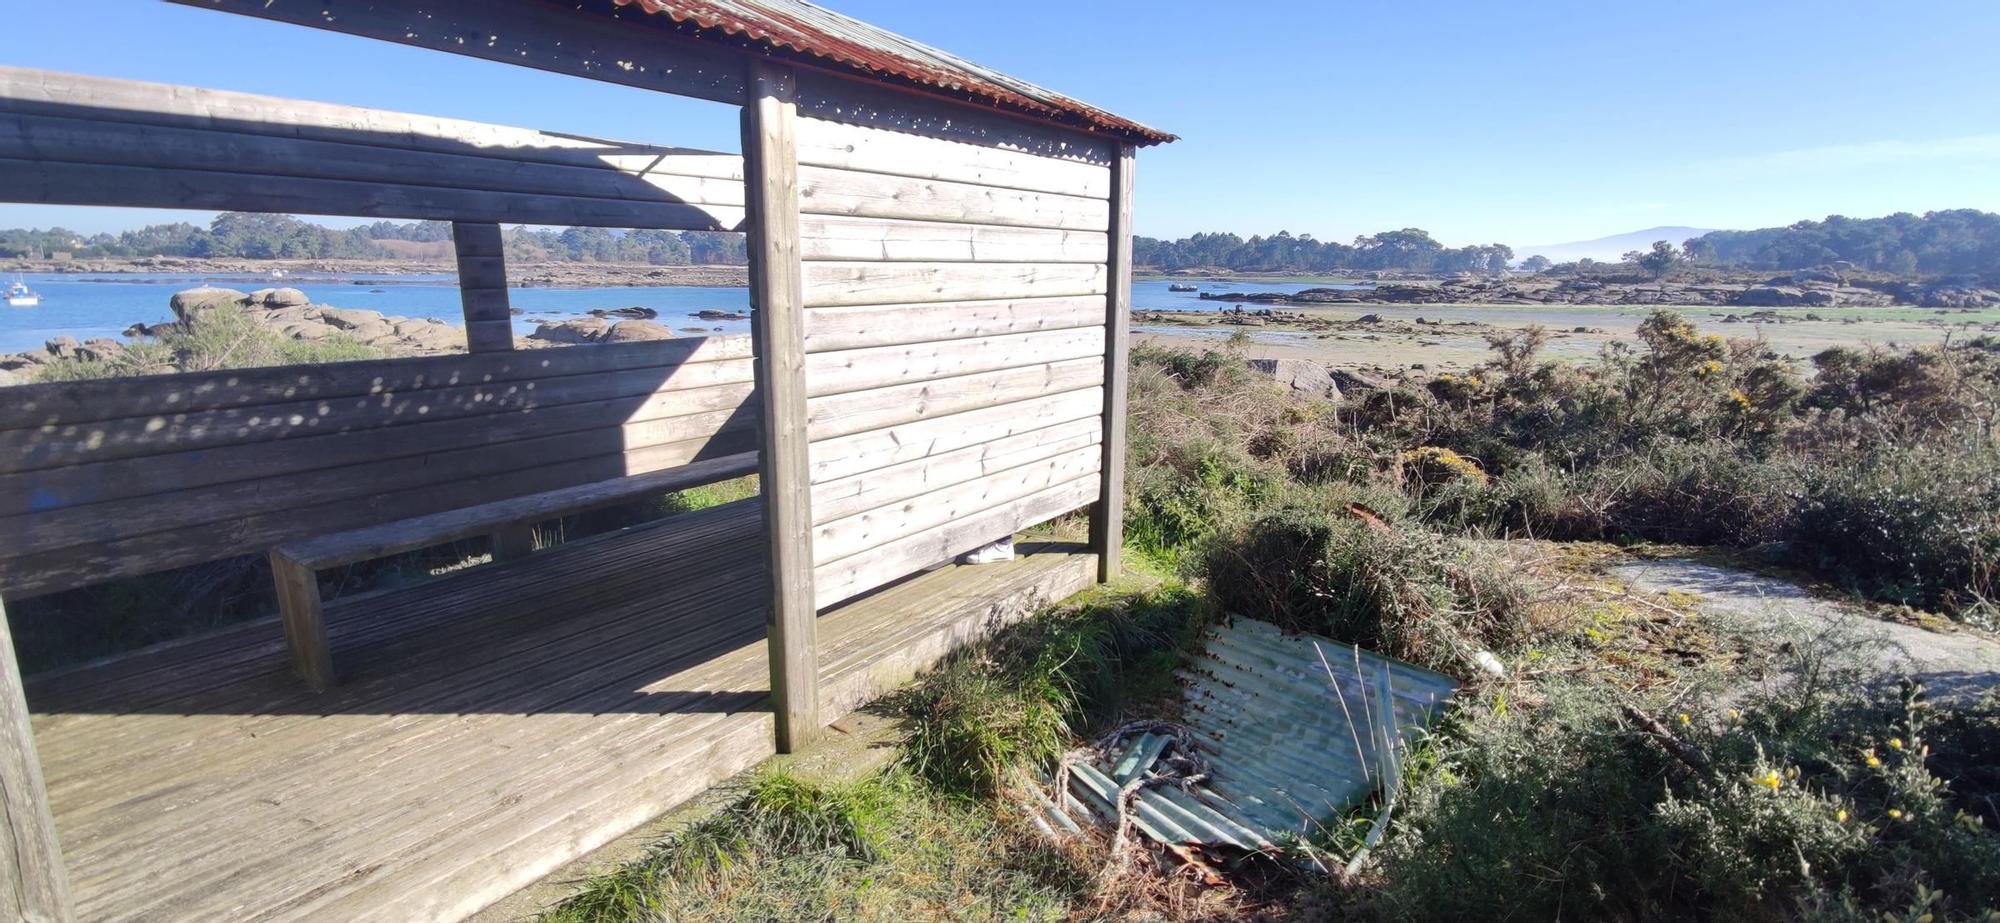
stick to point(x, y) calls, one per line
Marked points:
point(216, 339)
point(1918, 524)
point(1406, 592)
point(1022, 698)
point(1811, 800)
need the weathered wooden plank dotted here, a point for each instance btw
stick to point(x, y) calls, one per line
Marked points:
point(701, 551)
point(56, 183)
point(444, 463)
point(304, 617)
point(33, 884)
point(51, 491)
point(70, 403)
point(129, 437)
point(482, 286)
point(846, 456)
point(835, 284)
point(827, 237)
point(827, 143)
point(324, 551)
point(851, 193)
point(1033, 582)
point(627, 47)
point(480, 273)
point(860, 326)
point(895, 240)
point(880, 408)
point(856, 574)
point(860, 533)
point(489, 336)
point(28, 91)
point(83, 137)
point(512, 542)
point(857, 101)
point(34, 573)
point(963, 609)
point(1107, 518)
point(896, 483)
point(881, 366)
point(771, 171)
point(485, 305)
point(403, 832)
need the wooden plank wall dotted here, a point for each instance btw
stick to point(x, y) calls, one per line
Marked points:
point(116, 477)
point(955, 281)
point(78, 140)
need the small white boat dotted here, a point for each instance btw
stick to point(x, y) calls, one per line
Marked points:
point(19, 295)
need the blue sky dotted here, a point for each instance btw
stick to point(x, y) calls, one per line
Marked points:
point(1523, 123)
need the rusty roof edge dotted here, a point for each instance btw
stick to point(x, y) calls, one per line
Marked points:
point(869, 51)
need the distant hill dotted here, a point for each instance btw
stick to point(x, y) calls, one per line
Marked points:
point(1610, 248)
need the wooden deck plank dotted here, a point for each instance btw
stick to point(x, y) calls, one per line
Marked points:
point(442, 778)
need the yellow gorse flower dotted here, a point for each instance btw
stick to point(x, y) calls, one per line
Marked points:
point(1895, 743)
point(1770, 780)
point(1895, 813)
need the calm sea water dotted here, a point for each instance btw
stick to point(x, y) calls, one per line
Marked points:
point(85, 306)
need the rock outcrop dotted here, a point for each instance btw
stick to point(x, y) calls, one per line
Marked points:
point(1303, 376)
point(192, 303)
point(569, 332)
point(598, 330)
point(634, 331)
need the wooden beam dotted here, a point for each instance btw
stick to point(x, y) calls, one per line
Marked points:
point(55, 182)
point(60, 109)
point(593, 39)
point(304, 615)
point(33, 885)
point(1107, 518)
point(482, 286)
point(777, 300)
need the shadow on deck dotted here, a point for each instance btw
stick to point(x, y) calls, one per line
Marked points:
point(490, 728)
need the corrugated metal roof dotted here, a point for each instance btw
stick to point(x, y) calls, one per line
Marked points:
point(1293, 730)
point(800, 27)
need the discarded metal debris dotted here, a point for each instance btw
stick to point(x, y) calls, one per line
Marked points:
point(1281, 734)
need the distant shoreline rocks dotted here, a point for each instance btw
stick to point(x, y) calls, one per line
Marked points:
point(289, 312)
point(1805, 288)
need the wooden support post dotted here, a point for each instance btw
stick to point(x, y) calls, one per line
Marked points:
point(33, 886)
point(482, 286)
point(1107, 518)
point(513, 542)
point(777, 302)
point(300, 609)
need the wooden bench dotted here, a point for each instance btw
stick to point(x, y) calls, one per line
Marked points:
point(295, 566)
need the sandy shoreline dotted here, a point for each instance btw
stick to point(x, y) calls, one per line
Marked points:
point(1394, 339)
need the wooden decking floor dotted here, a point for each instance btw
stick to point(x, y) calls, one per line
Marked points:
point(487, 731)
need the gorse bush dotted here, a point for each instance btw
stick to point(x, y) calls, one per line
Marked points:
point(1880, 471)
point(211, 340)
point(1406, 592)
point(1022, 698)
point(1804, 803)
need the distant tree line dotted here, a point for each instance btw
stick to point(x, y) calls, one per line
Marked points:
point(1408, 250)
point(243, 235)
point(1950, 242)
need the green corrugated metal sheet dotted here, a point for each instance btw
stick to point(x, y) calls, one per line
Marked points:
point(1294, 729)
